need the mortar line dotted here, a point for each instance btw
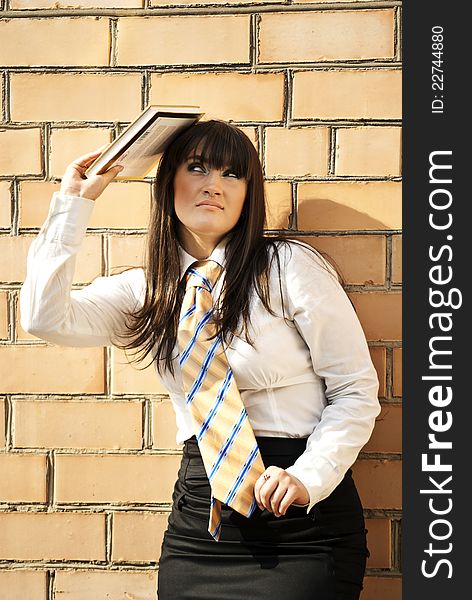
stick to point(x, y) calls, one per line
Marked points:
point(145, 88)
point(11, 315)
point(50, 474)
point(398, 34)
point(108, 536)
point(389, 373)
point(253, 40)
point(196, 10)
point(51, 578)
point(388, 260)
point(5, 97)
point(293, 224)
point(46, 133)
point(8, 422)
point(332, 140)
point(147, 435)
point(113, 40)
point(288, 97)
point(15, 206)
point(232, 67)
point(345, 123)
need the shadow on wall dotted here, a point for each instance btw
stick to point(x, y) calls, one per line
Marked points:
point(323, 213)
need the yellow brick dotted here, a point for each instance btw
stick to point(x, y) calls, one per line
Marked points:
point(5, 204)
point(137, 537)
point(251, 134)
point(322, 36)
point(368, 151)
point(387, 435)
point(26, 4)
point(164, 427)
point(14, 250)
point(360, 258)
point(347, 94)
point(52, 536)
point(396, 259)
point(105, 585)
point(121, 206)
point(208, 40)
point(379, 541)
point(2, 426)
point(110, 478)
point(19, 584)
point(133, 379)
point(387, 588)
point(23, 42)
point(127, 250)
point(35, 198)
point(73, 97)
point(51, 369)
point(297, 151)
point(373, 308)
point(278, 204)
point(379, 483)
point(21, 334)
point(68, 144)
point(77, 424)
point(23, 478)
point(20, 151)
point(230, 96)
point(346, 205)
point(3, 316)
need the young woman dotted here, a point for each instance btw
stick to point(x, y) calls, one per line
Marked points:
point(292, 347)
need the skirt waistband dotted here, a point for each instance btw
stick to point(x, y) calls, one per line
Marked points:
point(283, 446)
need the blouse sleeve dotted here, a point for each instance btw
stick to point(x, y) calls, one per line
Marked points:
point(325, 318)
point(50, 309)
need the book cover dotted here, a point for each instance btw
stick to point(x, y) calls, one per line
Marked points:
point(139, 147)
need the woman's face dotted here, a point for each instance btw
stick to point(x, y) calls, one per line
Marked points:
point(208, 202)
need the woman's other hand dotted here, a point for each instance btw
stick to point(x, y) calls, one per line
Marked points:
point(279, 491)
point(75, 183)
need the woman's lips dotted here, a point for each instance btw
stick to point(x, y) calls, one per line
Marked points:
point(213, 206)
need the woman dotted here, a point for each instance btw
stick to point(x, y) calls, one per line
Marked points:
point(289, 339)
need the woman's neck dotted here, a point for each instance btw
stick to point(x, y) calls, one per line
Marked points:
point(198, 246)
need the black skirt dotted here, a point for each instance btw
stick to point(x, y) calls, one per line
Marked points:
point(297, 556)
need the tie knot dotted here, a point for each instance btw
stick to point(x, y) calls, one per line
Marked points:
point(203, 273)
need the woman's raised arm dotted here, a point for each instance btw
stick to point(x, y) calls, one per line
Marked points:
point(50, 309)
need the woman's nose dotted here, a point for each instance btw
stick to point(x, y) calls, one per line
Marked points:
point(213, 183)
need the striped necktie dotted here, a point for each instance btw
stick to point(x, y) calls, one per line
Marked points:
point(229, 449)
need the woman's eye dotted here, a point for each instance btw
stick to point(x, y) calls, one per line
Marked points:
point(194, 166)
point(232, 174)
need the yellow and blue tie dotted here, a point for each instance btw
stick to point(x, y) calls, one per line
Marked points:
point(229, 449)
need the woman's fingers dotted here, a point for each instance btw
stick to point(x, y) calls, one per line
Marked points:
point(279, 491)
point(89, 157)
point(111, 173)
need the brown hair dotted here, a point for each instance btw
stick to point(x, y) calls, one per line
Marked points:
point(249, 254)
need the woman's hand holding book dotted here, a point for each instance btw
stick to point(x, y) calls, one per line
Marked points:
point(75, 183)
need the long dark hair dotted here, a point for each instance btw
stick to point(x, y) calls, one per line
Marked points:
point(249, 254)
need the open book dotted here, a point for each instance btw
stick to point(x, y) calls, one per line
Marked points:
point(139, 147)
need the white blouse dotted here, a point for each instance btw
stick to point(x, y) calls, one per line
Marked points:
point(311, 377)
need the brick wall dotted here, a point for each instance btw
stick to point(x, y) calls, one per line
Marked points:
point(87, 443)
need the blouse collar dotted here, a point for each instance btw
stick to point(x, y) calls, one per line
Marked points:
point(218, 254)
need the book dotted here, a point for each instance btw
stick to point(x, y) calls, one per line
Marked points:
point(139, 147)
